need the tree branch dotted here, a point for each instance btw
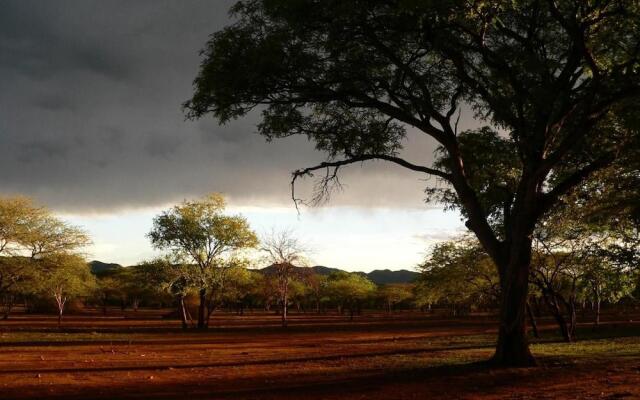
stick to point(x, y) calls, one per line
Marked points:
point(562, 188)
point(355, 159)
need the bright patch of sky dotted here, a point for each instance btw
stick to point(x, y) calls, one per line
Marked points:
point(354, 239)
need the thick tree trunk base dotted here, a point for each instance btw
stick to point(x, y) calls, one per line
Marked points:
point(512, 351)
point(502, 360)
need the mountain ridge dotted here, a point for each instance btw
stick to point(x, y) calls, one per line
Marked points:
point(377, 276)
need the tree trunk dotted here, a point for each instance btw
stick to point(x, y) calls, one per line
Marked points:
point(211, 304)
point(201, 309)
point(512, 349)
point(284, 312)
point(560, 319)
point(572, 317)
point(597, 306)
point(60, 301)
point(189, 317)
point(60, 318)
point(183, 311)
point(8, 306)
point(532, 320)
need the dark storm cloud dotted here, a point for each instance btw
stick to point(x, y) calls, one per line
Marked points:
point(41, 40)
point(90, 117)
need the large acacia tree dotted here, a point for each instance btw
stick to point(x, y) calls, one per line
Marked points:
point(554, 82)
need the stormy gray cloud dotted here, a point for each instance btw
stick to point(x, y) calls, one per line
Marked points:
point(91, 119)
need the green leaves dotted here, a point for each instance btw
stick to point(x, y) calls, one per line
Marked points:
point(63, 275)
point(458, 272)
point(492, 169)
point(40, 253)
point(30, 230)
point(204, 243)
point(349, 287)
point(200, 231)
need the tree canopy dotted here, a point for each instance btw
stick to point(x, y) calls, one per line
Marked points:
point(555, 83)
point(36, 247)
point(199, 232)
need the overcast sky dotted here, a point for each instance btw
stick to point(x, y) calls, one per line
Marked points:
point(91, 125)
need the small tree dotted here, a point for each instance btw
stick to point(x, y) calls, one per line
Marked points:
point(236, 286)
point(174, 278)
point(108, 288)
point(17, 277)
point(222, 281)
point(65, 277)
point(285, 254)
point(29, 231)
point(136, 285)
point(265, 289)
point(604, 281)
point(198, 231)
point(460, 273)
point(31, 238)
point(393, 294)
point(570, 264)
point(316, 285)
point(349, 290)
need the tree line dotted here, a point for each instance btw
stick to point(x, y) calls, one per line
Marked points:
point(581, 260)
point(205, 264)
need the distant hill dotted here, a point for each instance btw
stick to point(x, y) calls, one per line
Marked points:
point(379, 277)
point(101, 268)
point(322, 270)
point(386, 276)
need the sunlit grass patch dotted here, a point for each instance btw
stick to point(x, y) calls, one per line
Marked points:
point(591, 349)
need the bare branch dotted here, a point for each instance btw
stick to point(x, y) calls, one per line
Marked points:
point(332, 168)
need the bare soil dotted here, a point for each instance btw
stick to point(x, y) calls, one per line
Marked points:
point(377, 356)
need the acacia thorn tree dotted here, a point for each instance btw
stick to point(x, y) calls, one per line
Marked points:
point(198, 231)
point(31, 237)
point(554, 82)
point(64, 277)
point(459, 273)
point(349, 290)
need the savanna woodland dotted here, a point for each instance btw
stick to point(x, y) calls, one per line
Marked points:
point(531, 114)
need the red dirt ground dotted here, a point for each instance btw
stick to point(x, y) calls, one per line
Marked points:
point(400, 356)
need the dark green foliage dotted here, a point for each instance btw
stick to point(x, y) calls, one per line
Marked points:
point(102, 268)
point(556, 84)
